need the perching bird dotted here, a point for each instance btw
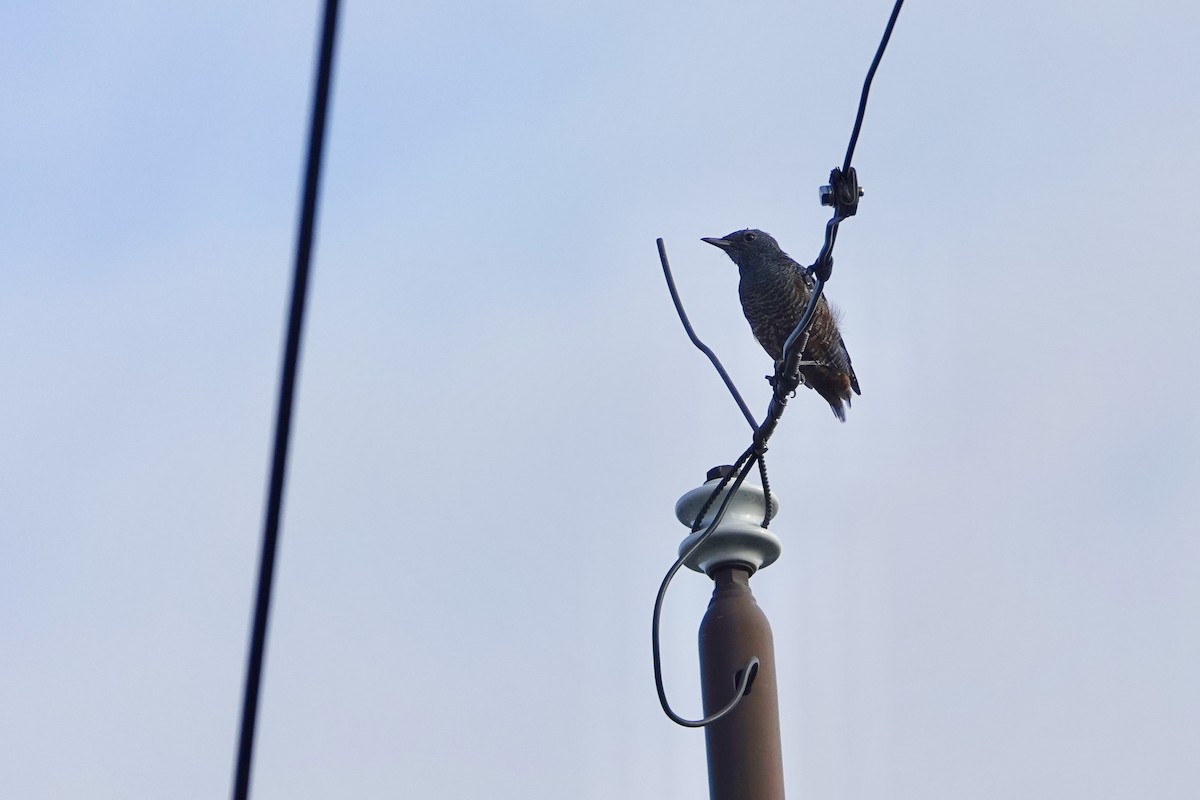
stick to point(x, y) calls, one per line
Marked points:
point(774, 290)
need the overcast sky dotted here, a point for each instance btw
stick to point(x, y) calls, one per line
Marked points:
point(990, 582)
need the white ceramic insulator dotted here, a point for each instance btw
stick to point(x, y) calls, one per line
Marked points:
point(740, 538)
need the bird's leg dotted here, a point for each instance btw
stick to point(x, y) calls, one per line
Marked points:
point(787, 385)
point(799, 346)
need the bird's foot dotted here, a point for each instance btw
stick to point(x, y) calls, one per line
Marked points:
point(785, 387)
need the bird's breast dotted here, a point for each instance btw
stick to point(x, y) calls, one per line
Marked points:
point(773, 304)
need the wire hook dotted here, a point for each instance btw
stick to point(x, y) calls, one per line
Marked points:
point(687, 326)
point(746, 674)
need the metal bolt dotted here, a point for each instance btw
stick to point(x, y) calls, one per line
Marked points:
point(723, 471)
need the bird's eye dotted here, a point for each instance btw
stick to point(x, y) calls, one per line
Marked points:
point(748, 237)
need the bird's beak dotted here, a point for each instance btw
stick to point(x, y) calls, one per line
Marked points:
point(724, 244)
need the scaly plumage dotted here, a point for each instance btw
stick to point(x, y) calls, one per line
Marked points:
point(774, 291)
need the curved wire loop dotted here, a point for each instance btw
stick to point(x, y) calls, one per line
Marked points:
point(748, 671)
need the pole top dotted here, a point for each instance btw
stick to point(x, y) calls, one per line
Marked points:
point(740, 538)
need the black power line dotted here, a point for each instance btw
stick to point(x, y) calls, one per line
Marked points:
point(862, 101)
point(287, 389)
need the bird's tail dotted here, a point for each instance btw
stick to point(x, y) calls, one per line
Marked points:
point(836, 389)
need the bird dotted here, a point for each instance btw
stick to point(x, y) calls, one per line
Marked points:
point(774, 291)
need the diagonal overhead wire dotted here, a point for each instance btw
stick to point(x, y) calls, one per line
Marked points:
point(287, 389)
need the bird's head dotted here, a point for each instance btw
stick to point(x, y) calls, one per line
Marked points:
point(748, 247)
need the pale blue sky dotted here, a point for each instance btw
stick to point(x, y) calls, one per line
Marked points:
point(989, 585)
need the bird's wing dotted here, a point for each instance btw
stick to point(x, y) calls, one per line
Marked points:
point(849, 366)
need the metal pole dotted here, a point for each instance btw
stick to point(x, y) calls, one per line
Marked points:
point(745, 757)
